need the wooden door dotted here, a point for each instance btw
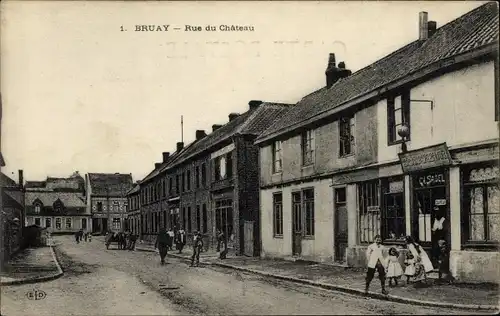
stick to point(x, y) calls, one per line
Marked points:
point(296, 224)
point(248, 238)
point(341, 226)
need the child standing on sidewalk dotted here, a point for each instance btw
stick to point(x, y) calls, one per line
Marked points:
point(394, 270)
point(444, 262)
point(376, 262)
point(410, 267)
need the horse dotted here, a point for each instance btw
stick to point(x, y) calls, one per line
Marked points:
point(119, 238)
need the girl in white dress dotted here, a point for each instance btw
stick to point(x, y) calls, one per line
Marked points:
point(394, 270)
point(410, 266)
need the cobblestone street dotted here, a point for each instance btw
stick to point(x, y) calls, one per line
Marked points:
point(100, 281)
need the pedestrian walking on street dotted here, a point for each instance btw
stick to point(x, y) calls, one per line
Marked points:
point(77, 237)
point(133, 239)
point(376, 262)
point(171, 237)
point(90, 237)
point(180, 240)
point(86, 236)
point(197, 247)
point(162, 244)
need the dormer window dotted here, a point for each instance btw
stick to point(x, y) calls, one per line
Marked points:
point(58, 206)
point(38, 206)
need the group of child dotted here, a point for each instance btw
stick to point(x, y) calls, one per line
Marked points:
point(391, 268)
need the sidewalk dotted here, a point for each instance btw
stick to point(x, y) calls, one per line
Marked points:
point(473, 296)
point(30, 266)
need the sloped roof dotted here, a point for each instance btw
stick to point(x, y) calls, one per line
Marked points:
point(35, 184)
point(252, 122)
point(135, 189)
point(6, 181)
point(476, 29)
point(110, 184)
point(69, 199)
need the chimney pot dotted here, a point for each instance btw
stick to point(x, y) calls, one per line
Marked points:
point(180, 145)
point(334, 73)
point(431, 27)
point(254, 104)
point(423, 26)
point(165, 156)
point(200, 134)
point(232, 116)
point(216, 127)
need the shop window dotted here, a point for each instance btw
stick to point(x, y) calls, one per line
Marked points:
point(224, 217)
point(369, 210)
point(278, 214)
point(307, 147)
point(481, 209)
point(69, 223)
point(398, 113)
point(393, 210)
point(277, 156)
point(346, 136)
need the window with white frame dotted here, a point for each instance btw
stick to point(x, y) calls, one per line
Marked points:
point(277, 156)
point(278, 214)
point(38, 208)
point(398, 113)
point(481, 205)
point(58, 223)
point(346, 135)
point(69, 223)
point(116, 224)
point(369, 210)
point(303, 205)
point(307, 147)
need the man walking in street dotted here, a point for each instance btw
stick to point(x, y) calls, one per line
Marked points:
point(162, 244)
point(180, 240)
point(197, 247)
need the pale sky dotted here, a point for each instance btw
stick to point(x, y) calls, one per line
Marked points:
point(79, 94)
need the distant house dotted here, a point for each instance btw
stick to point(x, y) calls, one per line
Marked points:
point(107, 200)
point(58, 204)
point(12, 215)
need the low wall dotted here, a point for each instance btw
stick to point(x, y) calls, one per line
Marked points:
point(475, 266)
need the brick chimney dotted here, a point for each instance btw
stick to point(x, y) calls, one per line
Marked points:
point(216, 127)
point(21, 178)
point(200, 134)
point(157, 165)
point(165, 156)
point(254, 104)
point(431, 28)
point(232, 116)
point(180, 145)
point(334, 73)
point(423, 27)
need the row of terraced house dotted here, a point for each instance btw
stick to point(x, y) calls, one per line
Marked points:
point(385, 150)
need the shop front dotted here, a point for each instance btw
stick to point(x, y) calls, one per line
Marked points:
point(428, 171)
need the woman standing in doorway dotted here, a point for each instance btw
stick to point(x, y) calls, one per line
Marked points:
point(439, 230)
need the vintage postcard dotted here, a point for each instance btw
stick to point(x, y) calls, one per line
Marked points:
point(249, 157)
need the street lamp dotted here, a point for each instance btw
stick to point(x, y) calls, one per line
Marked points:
point(404, 132)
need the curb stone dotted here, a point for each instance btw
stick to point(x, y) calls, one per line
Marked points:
point(51, 277)
point(379, 296)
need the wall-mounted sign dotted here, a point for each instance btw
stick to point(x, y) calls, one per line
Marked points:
point(421, 159)
point(431, 179)
point(440, 202)
point(396, 186)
